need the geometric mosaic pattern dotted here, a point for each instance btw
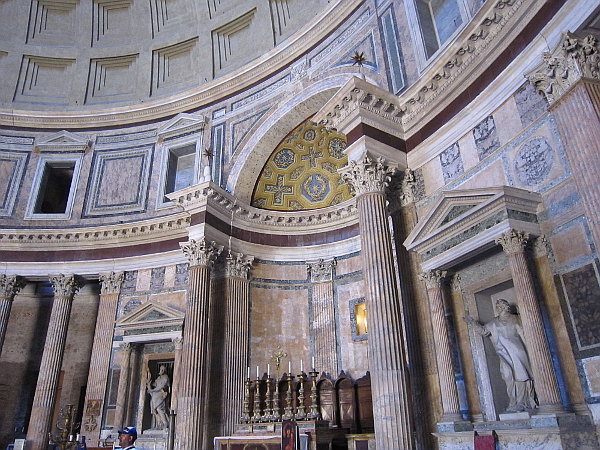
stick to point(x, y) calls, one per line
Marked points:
point(301, 173)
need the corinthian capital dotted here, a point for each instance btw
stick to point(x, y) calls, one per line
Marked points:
point(513, 241)
point(368, 175)
point(201, 252)
point(572, 60)
point(433, 278)
point(239, 265)
point(321, 270)
point(111, 283)
point(65, 285)
point(10, 285)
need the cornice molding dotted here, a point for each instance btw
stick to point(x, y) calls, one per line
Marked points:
point(226, 86)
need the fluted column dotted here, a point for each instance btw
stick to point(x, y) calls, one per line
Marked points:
point(194, 379)
point(544, 378)
point(134, 368)
point(110, 286)
point(123, 390)
point(569, 78)
point(387, 358)
point(443, 350)
point(10, 285)
point(323, 320)
point(40, 420)
point(237, 323)
point(178, 342)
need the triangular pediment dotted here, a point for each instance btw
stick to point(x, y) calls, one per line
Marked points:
point(182, 124)
point(63, 141)
point(462, 223)
point(151, 315)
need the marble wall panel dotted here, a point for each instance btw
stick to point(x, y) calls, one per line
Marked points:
point(279, 271)
point(592, 373)
point(486, 137)
point(240, 129)
point(157, 279)
point(349, 265)
point(129, 281)
point(451, 162)
point(12, 167)
point(530, 103)
point(491, 175)
point(182, 272)
point(169, 276)
point(119, 181)
point(144, 278)
point(468, 151)
point(582, 290)
point(433, 178)
point(173, 299)
point(507, 121)
point(570, 243)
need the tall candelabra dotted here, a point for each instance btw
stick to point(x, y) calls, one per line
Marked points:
point(67, 439)
point(246, 416)
point(268, 415)
point(300, 409)
point(289, 410)
point(257, 416)
point(314, 413)
point(276, 416)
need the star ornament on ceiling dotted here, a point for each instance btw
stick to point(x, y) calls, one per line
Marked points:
point(209, 153)
point(359, 59)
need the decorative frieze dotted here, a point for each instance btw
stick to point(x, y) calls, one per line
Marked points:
point(574, 59)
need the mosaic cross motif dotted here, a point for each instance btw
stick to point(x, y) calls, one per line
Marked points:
point(312, 156)
point(278, 190)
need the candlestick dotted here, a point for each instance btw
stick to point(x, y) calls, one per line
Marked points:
point(313, 363)
point(257, 376)
point(248, 373)
point(268, 370)
point(289, 367)
point(301, 366)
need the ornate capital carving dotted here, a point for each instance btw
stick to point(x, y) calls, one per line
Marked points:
point(368, 175)
point(572, 60)
point(111, 283)
point(126, 347)
point(455, 283)
point(321, 270)
point(178, 341)
point(513, 241)
point(238, 265)
point(65, 285)
point(433, 279)
point(201, 252)
point(10, 285)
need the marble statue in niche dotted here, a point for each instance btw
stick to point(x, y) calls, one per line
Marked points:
point(159, 391)
point(506, 334)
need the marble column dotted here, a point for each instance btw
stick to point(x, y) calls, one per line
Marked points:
point(443, 350)
point(323, 320)
point(569, 78)
point(237, 324)
point(135, 360)
point(40, 421)
point(110, 286)
point(123, 391)
point(178, 343)
point(191, 404)
point(544, 378)
point(387, 359)
point(10, 285)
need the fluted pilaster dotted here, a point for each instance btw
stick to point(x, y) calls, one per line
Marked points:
point(40, 420)
point(387, 358)
point(10, 285)
point(194, 379)
point(124, 381)
point(178, 342)
point(443, 349)
point(323, 320)
point(236, 337)
point(110, 286)
point(546, 386)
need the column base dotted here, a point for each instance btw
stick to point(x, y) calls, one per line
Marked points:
point(455, 426)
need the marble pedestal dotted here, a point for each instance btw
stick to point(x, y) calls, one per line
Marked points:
point(550, 432)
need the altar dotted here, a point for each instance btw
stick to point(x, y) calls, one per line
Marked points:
point(263, 442)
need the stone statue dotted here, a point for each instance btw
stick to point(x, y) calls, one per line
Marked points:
point(506, 334)
point(159, 391)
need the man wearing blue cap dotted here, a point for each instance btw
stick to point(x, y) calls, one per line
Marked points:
point(127, 437)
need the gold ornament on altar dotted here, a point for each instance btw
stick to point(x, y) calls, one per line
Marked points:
point(67, 439)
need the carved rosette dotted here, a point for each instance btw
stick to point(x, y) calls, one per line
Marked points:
point(513, 241)
point(238, 266)
point(111, 283)
point(572, 60)
point(368, 175)
point(201, 252)
point(433, 278)
point(10, 285)
point(65, 285)
point(321, 270)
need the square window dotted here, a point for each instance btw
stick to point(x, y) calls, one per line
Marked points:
point(55, 187)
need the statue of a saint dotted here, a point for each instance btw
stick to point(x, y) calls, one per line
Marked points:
point(506, 334)
point(159, 391)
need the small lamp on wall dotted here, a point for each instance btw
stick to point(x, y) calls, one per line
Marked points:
point(360, 311)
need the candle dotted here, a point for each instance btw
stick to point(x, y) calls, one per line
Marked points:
point(301, 367)
point(248, 372)
point(289, 367)
point(257, 376)
point(268, 370)
point(313, 363)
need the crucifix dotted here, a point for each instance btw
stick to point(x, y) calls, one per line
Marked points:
point(277, 357)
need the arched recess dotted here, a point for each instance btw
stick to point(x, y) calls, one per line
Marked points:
point(252, 156)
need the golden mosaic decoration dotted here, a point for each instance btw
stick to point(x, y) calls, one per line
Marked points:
point(301, 173)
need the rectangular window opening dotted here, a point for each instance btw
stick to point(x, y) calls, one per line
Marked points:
point(53, 194)
point(180, 168)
